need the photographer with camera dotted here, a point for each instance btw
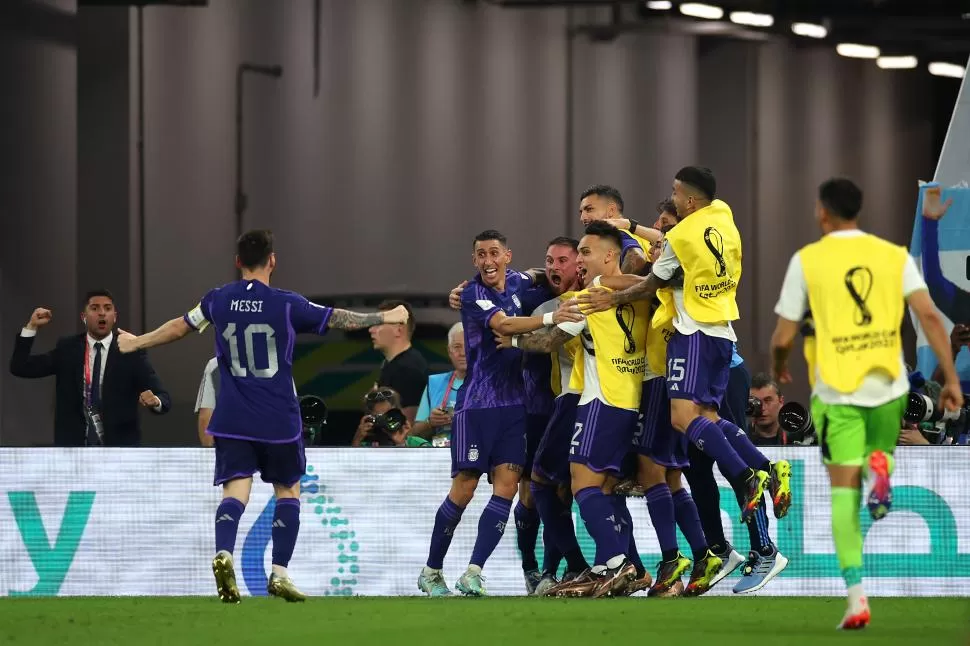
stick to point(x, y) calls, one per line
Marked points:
point(764, 402)
point(385, 423)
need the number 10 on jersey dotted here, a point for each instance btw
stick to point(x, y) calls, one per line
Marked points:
point(249, 333)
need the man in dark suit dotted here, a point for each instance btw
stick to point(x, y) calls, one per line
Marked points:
point(98, 388)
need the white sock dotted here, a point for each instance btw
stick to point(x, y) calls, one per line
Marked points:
point(475, 569)
point(280, 571)
point(429, 570)
point(616, 561)
point(598, 569)
point(857, 597)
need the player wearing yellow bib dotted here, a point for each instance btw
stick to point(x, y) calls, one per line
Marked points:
point(606, 418)
point(856, 284)
point(701, 262)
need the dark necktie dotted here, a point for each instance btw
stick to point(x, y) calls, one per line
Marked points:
point(96, 378)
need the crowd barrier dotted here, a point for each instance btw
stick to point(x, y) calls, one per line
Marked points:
point(140, 522)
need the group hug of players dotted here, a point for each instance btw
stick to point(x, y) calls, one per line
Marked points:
point(626, 355)
point(644, 354)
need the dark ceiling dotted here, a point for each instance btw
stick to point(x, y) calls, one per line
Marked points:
point(937, 28)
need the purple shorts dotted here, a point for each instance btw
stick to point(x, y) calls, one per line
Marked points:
point(698, 368)
point(282, 464)
point(552, 456)
point(657, 438)
point(602, 436)
point(535, 426)
point(484, 438)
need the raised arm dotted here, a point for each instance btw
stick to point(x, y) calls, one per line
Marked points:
point(600, 300)
point(647, 233)
point(634, 261)
point(33, 366)
point(347, 320)
point(166, 333)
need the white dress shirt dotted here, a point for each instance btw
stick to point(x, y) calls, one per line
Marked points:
point(106, 346)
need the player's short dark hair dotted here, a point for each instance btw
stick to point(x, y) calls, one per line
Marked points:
point(764, 380)
point(605, 230)
point(95, 293)
point(841, 197)
point(700, 179)
point(564, 241)
point(606, 192)
point(491, 234)
point(388, 305)
point(254, 248)
point(666, 206)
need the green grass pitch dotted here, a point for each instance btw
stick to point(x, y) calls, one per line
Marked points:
point(712, 621)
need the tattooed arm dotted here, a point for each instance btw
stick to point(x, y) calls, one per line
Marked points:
point(545, 340)
point(597, 299)
point(538, 276)
point(634, 262)
point(347, 320)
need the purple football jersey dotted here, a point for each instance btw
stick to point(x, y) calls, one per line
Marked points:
point(255, 329)
point(537, 368)
point(494, 377)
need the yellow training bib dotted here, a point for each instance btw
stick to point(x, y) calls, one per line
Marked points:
point(708, 246)
point(855, 291)
point(661, 329)
point(614, 344)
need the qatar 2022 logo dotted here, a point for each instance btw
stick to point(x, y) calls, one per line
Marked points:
point(325, 515)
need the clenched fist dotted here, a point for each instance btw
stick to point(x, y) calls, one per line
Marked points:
point(39, 318)
point(398, 315)
point(148, 399)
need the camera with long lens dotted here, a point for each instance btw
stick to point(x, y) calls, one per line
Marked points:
point(796, 421)
point(753, 407)
point(313, 414)
point(384, 427)
point(920, 408)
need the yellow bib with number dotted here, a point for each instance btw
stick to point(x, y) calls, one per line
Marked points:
point(855, 291)
point(708, 245)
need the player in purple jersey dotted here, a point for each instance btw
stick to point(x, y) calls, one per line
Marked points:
point(256, 423)
point(488, 434)
point(604, 203)
point(539, 374)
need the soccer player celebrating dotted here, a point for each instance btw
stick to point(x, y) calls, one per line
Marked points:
point(855, 284)
point(706, 246)
point(601, 202)
point(489, 431)
point(661, 458)
point(543, 382)
point(607, 414)
point(256, 423)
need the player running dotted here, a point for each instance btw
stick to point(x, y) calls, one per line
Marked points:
point(489, 431)
point(256, 423)
point(855, 284)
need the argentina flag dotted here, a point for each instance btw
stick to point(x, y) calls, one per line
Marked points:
point(941, 249)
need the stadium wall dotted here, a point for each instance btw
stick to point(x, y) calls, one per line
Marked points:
point(139, 522)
